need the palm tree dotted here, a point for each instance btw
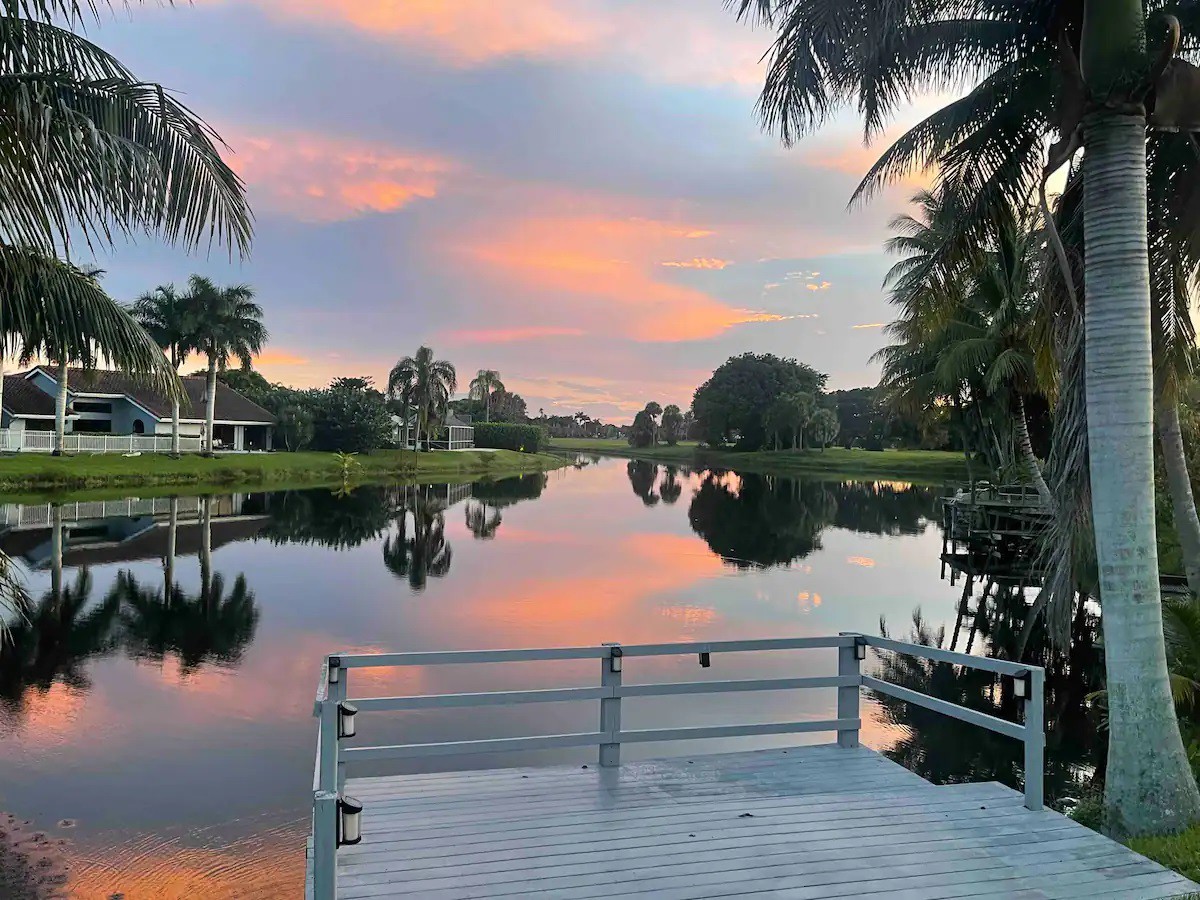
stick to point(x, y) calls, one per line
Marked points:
point(424, 554)
point(428, 383)
point(485, 383)
point(879, 55)
point(167, 318)
point(226, 324)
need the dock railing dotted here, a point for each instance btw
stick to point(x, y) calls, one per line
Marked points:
point(335, 820)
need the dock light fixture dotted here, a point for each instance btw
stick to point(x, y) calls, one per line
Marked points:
point(1021, 685)
point(346, 714)
point(349, 821)
point(335, 664)
point(615, 655)
point(860, 648)
point(705, 659)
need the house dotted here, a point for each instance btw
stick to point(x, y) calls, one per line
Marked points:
point(454, 432)
point(103, 402)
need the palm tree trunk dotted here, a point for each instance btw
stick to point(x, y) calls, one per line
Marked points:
point(487, 405)
point(60, 410)
point(1183, 504)
point(1149, 788)
point(2, 381)
point(1025, 448)
point(205, 548)
point(174, 411)
point(56, 552)
point(210, 404)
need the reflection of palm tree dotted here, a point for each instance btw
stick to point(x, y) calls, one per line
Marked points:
point(642, 475)
point(426, 553)
point(671, 489)
point(341, 522)
point(214, 627)
point(53, 641)
point(945, 751)
point(483, 519)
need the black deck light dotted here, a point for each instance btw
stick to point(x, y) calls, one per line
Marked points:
point(860, 648)
point(349, 821)
point(335, 663)
point(705, 659)
point(1021, 685)
point(614, 659)
point(346, 714)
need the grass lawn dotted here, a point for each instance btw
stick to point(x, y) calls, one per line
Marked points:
point(30, 473)
point(1180, 852)
point(836, 461)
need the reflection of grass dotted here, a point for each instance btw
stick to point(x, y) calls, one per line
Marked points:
point(836, 460)
point(36, 474)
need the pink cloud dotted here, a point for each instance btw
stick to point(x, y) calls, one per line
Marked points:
point(508, 335)
point(699, 262)
point(320, 178)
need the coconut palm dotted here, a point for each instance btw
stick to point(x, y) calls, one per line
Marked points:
point(167, 317)
point(825, 427)
point(428, 383)
point(485, 383)
point(225, 324)
point(879, 55)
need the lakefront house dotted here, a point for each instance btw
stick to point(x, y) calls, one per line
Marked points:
point(112, 412)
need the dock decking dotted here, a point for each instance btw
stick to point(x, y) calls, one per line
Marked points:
point(806, 822)
point(830, 820)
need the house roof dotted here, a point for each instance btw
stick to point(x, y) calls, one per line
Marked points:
point(455, 419)
point(23, 398)
point(230, 406)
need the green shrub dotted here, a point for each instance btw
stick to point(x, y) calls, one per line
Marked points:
point(506, 436)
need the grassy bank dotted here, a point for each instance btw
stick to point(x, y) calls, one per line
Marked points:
point(836, 461)
point(36, 474)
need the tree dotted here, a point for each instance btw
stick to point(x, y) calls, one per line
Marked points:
point(486, 383)
point(296, 426)
point(226, 324)
point(428, 384)
point(672, 423)
point(653, 410)
point(803, 406)
point(167, 319)
point(642, 432)
point(824, 427)
point(350, 416)
point(989, 144)
point(733, 401)
point(781, 419)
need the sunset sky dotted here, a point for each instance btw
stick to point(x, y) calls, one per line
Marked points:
point(574, 192)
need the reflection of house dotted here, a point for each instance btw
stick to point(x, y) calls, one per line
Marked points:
point(104, 402)
point(454, 432)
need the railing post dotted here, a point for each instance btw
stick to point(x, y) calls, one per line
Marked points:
point(848, 696)
point(1035, 739)
point(337, 693)
point(325, 812)
point(327, 779)
point(610, 708)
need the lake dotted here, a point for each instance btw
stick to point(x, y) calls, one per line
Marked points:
point(167, 735)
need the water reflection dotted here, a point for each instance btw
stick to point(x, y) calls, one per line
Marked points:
point(419, 553)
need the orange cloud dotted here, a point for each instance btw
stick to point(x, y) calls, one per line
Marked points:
point(700, 262)
point(871, 325)
point(814, 286)
point(317, 178)
point(277, 357)
point(509, 335)
point(607, 264)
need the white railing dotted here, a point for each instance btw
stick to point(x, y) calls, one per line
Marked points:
point(333, 701)
point(19, 515)
point(43, 442)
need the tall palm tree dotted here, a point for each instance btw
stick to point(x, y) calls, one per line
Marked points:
point(226, 324)
point(166, 316)
point(878, 55)
point(428, 383)
point(485, 383)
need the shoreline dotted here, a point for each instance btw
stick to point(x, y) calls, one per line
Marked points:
point(835, 462)
point(44, 478)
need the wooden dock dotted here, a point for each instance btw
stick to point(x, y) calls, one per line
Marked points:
point(817, 821)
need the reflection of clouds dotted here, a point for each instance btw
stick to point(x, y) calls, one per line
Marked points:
point(865, 561)
point(808, 600)
point(51, 718)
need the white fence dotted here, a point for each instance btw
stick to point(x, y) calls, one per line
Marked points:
point(18, 515)
point(43, 442)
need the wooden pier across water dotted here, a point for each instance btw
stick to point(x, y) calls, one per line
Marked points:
point(818, 821)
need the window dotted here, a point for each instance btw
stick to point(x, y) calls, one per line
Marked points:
point(139, 427)
point(91, 426)
point(93, 406)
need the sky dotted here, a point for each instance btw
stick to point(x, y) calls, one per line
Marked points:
point(576, 193)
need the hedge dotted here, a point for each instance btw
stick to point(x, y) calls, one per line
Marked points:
point(506, 436)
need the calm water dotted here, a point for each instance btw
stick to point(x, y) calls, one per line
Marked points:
point(173, 737)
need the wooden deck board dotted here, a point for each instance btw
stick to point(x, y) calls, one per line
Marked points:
point(807, 822)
